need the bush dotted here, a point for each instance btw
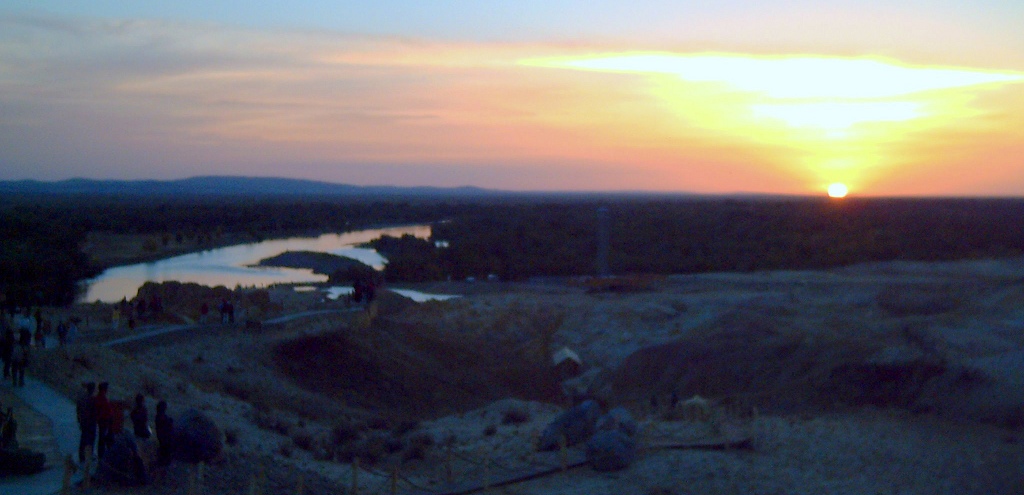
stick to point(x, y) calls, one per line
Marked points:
point(406, 426)
point(231, 436)
point(344, 432)
point(303, 440)
point(267, 420)
point(285, 449)
point(515, 416)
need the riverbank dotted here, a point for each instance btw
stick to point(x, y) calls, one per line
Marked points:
point(107, 250)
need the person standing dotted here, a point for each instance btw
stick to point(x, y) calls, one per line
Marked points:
point(85, 408)
point(7, 342)
point(19, 362)
point(164, 434)
point(140, 418)
point(104, 417)
point(9, 431)
point(62, 333)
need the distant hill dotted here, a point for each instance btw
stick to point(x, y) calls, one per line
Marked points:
point(225, 185)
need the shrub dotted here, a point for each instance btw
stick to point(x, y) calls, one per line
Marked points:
point(231, 436)
point(267, 420)
point(285, 449)
point(393, 445)
point(406, 426)
point(515, 416)
point(423, 439)
point(344, 432)
point(414, 453)
point(303, 440)
point(379, 423)
point(149, 386)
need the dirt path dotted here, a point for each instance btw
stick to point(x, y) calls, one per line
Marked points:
point(46, 423)
point(165, 330)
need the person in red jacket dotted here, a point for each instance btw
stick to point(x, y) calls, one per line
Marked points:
point(104, 418)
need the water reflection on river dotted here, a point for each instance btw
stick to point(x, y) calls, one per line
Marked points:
point(228, 266)
point(415, 295)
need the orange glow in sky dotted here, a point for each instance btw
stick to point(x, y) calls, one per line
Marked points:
point(827, 119)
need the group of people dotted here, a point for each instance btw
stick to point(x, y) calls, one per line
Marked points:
point(136, 310)
point(100, 418)
point(37, 327)
point(15, 353)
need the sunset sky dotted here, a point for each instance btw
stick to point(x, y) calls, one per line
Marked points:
point(889, 98)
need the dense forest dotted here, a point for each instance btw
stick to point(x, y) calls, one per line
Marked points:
point(699, 235)
point(522, 236)
point(40, 258)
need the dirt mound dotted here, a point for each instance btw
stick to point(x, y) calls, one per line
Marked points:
point(919, 301)
point(743, 357)
point(417, 370)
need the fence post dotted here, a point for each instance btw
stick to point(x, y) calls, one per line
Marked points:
point(563, 456)
point(355, 476)
point(449, 475)
point(487, 475)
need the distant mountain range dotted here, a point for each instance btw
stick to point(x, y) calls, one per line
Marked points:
point(224, 185)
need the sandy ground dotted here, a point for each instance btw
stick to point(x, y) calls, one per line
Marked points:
point(969, 314)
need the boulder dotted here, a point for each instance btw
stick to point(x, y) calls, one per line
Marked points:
point(566, 364)
point(611, 450)
point(618, 419)
point(21, 461)
point(575, 425)
point(121, 462)
point(197, 438)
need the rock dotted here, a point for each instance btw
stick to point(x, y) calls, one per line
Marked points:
point(611, 450)
point(618, 419)
point(197, 438)
point(121, 462)
point(976, 393)
point(566, 364)
point(21, 461)
point(576, 425)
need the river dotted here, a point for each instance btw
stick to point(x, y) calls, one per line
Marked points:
point(231, 266)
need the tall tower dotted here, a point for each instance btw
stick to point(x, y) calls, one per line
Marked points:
point(602, 242)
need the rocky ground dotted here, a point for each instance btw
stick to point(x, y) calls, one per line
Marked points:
point(884, 378)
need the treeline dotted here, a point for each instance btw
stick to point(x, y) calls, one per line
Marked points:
point(41, 260)
point(262, 217)
point(516, 241)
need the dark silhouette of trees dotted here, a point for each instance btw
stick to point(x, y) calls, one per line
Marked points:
point(521, 240)
point(40, 257)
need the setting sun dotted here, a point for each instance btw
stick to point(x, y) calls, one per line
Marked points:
point(837, 190)
point(814, 117)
